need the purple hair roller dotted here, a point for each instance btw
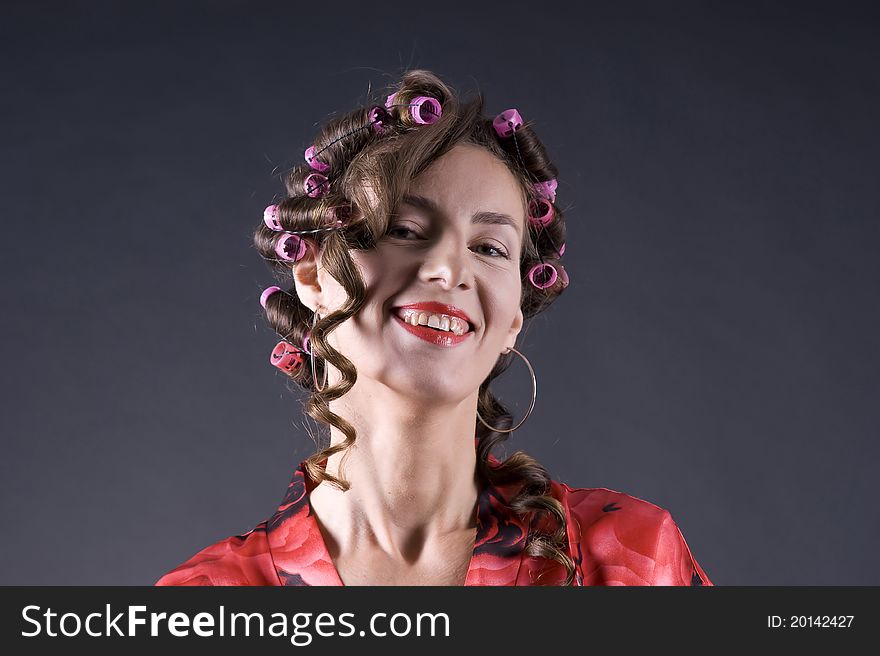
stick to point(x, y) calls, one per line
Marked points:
point(543, 275)
point(291, 248)
point(425, 110)
point(507, 122)
point(314, 162)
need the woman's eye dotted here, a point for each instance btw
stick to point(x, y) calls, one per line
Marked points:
point(501, 252)
point(399, 228)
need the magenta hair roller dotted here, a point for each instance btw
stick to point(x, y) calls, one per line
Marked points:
point(425, 110)
point(291, 248)
point(540, 212)
point(270, 218)
point(316, 185)
point(543, 275)
point(507, 122)
point(390, 100)
point(546, 189)
point(267, 293)
point(562, 250)
point(286, 357)
point(314, 162)
point(379, 117)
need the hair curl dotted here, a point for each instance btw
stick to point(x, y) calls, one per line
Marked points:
point(369, 171)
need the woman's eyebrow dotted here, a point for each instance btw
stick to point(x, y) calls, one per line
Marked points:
point(484, 217)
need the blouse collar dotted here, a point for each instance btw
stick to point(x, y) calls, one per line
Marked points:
point(300, 555)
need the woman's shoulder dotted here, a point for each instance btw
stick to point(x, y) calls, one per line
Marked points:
point(625, 540)
point(237, 560)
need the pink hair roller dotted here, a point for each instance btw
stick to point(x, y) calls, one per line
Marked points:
point(267, 293)
point(546, 189)
point(314, 162)
point(316, 185)
point(307, 342)
point(390, 100)
point(270, 218)
point(535, 209)
point(507, 122)
point(425, 110)
point(562, 250)
point(286, 357)
point(291, 248)
point(378, 117)
point(543, 275)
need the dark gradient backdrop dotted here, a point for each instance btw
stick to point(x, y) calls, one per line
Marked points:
point(716, 351)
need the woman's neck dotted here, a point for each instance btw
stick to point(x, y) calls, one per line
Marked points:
point(412, 472)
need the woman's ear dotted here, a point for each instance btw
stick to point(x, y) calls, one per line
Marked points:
point(306, 279)
point(515, 327)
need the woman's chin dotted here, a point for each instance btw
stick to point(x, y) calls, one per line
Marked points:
point(431, 390)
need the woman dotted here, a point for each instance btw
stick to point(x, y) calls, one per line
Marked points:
point(420, 235)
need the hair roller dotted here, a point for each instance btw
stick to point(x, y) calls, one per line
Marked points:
point(316, 185)
point(507, 122)
point(549, 277)
point(270, 218)
point(267, 293)
point(314, 162)
point(291, 248)
point(543, 275)
point(286, 357)
point(379, 118)
point(546, 189)
point(420, 110)
point(425, 110)
point(540, 212)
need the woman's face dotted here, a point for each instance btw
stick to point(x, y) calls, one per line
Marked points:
point(435, 250)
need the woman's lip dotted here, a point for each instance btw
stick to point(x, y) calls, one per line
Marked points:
point(444, 339)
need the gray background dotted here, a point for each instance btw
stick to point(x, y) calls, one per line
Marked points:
point(715, 353)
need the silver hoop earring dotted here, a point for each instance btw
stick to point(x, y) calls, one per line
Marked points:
point(531, 405)
point(315, 318)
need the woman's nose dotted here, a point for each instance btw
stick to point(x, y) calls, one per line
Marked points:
point(448, 263)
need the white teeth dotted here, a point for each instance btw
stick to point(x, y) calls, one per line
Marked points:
point(438, 321)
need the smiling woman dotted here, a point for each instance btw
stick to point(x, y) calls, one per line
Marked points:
point(418, 237)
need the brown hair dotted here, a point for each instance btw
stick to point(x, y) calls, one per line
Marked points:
point(369, 172)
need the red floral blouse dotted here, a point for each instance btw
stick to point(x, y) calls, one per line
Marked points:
point(614, 539)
